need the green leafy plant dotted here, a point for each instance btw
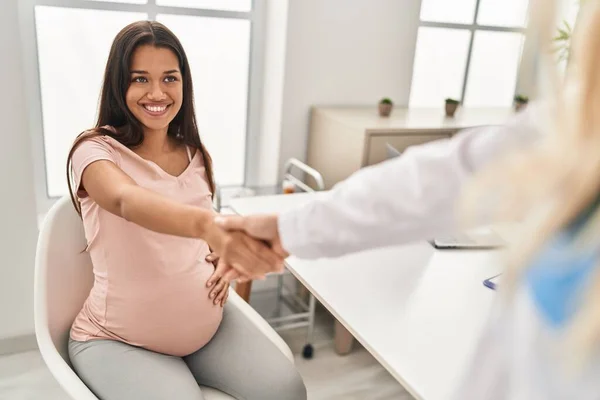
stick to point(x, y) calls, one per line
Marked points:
point(521, 98)
point(452, 101)
point(563, 38)
point(386, 101)
point(563, 41)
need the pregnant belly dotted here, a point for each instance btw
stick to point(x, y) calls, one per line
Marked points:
point(174, 317)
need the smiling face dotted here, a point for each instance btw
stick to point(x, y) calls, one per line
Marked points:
point(155, 90)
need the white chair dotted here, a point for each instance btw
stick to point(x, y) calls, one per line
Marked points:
point(63, 279)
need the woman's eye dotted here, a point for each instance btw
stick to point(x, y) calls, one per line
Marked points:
point(140, 79)
point(170, 79)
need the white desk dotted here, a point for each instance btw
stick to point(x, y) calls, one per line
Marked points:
point(417, 310)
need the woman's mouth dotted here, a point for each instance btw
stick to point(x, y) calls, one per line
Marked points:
point(156, 110)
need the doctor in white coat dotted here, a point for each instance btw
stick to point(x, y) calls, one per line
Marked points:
point(411, 198)
point(542, 339)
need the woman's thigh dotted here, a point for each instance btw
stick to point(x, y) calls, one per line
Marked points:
point(116, 371)
point(241, 361)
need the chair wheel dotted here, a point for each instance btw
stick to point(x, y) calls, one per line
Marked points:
point(307, 351)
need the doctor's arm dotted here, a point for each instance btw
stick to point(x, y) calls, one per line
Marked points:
point(411, 197)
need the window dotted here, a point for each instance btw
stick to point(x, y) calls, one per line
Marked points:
point(71, 76)
point(67, 44)
point(468, 50)
point(229, 5)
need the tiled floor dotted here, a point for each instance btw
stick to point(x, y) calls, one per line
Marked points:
point(327, 376)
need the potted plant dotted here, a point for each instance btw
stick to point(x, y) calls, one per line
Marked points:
point(451, 107)
point(520, 102)
point(385, 107)
point(563, 42)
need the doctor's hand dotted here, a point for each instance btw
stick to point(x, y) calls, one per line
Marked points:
point(263, 227)
point(250, 257)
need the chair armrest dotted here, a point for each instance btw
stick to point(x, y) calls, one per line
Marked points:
point(260, 323)
point(62, 372)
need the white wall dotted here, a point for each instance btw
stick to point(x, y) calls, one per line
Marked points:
point(18, 229)
point(269, 136)
point(344, 52)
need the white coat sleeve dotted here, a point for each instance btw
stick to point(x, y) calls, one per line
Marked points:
point(411, 197)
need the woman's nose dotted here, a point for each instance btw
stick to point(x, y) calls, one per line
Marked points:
point(156, 93)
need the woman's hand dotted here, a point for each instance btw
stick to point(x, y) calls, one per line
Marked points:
point(213, 258)
point(249, 257)
point(220, 280)
point(219, 284)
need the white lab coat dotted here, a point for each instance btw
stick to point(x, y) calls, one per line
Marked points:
point(520, 357)
point(413, 197)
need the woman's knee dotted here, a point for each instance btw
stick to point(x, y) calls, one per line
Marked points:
point(288, 384)
point(275, 380)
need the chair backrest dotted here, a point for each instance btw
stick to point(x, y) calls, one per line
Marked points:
point(63, 280)
point(64, 274)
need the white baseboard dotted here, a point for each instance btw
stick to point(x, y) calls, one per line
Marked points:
point(17, 344)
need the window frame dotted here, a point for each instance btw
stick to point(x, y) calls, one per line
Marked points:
point(472, 29)
point(33, 85)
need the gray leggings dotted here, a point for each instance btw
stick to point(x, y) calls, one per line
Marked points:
point(239, 360)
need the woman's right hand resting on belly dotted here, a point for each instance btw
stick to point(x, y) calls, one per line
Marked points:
point(117, 193)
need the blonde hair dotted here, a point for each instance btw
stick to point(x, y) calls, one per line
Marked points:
point(554, 182)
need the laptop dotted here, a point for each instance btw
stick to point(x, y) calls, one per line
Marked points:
point(480, 239)
point(391, 151)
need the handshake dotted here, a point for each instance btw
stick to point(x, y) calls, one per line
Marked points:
point(248, 247)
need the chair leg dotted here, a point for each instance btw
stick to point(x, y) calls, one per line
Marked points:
point(308, 350)
point(243, 290)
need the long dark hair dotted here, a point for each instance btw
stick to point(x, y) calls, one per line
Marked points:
point(113, 110)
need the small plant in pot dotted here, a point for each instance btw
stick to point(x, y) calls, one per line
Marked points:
point(451, 107)
point(385, 107)
point(520, 102)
